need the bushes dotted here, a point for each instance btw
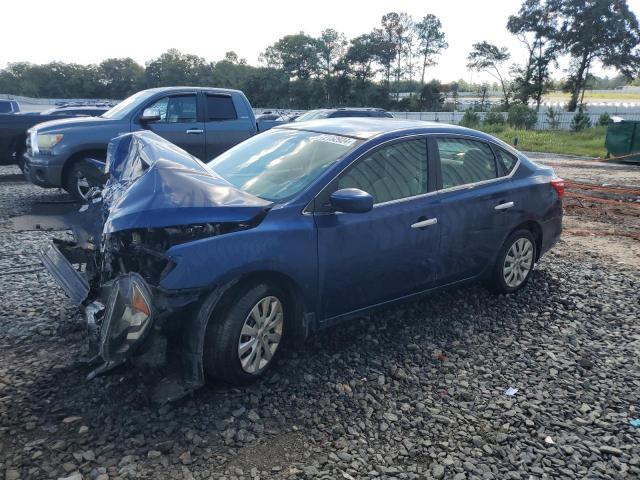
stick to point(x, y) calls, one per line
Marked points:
point(580, 120)
point(470, 119)
point(521, 116)
point(604, 119)
point(494, 117)
point(553, 118)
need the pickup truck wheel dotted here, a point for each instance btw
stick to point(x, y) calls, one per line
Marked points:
point(243, 344)
point(76, 182)
point(514, 263)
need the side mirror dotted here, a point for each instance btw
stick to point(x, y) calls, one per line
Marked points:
point(150, 115)
point(351, 200)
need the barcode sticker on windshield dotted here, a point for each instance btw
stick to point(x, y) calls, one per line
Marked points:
point(337, 139)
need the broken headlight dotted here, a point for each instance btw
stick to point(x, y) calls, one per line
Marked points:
point(127, 319)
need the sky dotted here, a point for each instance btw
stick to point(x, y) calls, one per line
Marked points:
point(86, 31)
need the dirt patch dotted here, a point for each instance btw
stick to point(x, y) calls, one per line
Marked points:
point(602, 238)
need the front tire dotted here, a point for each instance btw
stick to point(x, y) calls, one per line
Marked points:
point(241, 345)
point(76, 182)
point(514, 263)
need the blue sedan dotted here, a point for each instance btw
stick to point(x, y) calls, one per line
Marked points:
point(294, 230)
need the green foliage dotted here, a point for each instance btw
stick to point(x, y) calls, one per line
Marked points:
point(494, 117)
point(580, 120)
point(604, 119)
point(553, 117)
point(589, 142)
point(470, 119)
point(521, 116)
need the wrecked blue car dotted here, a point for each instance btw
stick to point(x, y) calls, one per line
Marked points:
point(209, 267)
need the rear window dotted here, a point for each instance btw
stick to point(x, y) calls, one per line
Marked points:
point(220, 107)
point(341, 114)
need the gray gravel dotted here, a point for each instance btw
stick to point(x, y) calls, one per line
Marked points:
point(412, 392)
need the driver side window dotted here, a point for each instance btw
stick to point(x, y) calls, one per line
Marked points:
point(392, 172)
point(176, 109)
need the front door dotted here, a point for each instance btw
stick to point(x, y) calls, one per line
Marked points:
point(179, 123)
point(390, 252)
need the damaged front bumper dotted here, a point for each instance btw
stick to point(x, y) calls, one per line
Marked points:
point(125, 318)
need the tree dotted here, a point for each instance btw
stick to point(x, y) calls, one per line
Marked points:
point(233, 57)
point(431, 42)
point(397, 31)
point(483, 91)
point(431, 96)
point(489, 58)
point(604, 30)
point(120, 77)
point(536, 27)
point(176, 68)
point(298, 55)
point(331, 48)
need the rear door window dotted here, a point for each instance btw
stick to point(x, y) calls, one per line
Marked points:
point(220, 107)
point(463, 162)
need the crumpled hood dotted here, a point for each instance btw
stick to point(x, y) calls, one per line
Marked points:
point(63, 123)
point(154, 184)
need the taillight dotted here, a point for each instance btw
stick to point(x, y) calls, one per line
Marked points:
point(558, 186)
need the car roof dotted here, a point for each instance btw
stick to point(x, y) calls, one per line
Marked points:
point(198, 89)
point(369, 127)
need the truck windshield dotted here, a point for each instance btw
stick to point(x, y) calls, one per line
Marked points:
point(280, 163)
point(126, 106)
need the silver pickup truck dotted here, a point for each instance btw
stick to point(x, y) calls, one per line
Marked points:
point(203, 121)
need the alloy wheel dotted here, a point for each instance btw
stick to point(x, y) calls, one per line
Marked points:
point(82, 184)
point(518, 262)
point(260, 335)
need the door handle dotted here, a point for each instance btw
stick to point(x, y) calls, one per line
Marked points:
point(425, 223)
point(195, 131)
point(503, 206)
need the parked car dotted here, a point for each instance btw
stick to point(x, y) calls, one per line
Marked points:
point(292, 231)
point(203, 121)
point(269, 120)
point(342, 113)
point(9, 106)
point(83, 111)
point(13, 128)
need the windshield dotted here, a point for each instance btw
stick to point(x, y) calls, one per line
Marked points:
point(126, 106)
point(311, 115)
point(280, 163)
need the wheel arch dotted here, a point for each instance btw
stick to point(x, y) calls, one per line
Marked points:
point(536, 230)
point(79, 155)
point(214, 302)
point(294, 296)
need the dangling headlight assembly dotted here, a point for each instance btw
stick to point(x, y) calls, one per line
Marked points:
point(128, 318)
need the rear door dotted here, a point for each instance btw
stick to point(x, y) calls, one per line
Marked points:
point(179, 122)
point(389, 252)
point(226, 123)
point(475, 205)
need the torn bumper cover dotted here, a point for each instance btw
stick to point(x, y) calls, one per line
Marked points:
point(119, 321)
point(157, 196)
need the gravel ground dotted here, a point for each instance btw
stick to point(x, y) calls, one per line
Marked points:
point(411, 392)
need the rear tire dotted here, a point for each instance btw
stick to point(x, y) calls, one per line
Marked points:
point(243, 343)
point(514, 263)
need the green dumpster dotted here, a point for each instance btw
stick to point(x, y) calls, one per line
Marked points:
point(623, 138)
